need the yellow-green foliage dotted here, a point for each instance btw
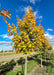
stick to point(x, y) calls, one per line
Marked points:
point(31, 36)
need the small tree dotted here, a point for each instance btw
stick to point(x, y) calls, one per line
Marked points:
point(2, 50)
point(5, 51)
point(45, 48)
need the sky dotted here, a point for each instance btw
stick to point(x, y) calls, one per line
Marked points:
point(42, 9)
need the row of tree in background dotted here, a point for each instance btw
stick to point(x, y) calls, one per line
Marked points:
point(6, 51)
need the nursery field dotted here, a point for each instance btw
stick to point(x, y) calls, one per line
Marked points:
point(26, 37)
point(16, 66)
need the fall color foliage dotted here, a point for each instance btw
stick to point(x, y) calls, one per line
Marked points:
point(27, 36)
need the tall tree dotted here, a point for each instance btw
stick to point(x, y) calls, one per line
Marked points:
point(27, 36)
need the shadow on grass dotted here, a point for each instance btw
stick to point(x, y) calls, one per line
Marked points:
point(44, 63)
point(38, 60)
point(21, 61)
point(7, 67)
point(29, 58)
point(22, 70)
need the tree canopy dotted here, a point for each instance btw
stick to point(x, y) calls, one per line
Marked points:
point(27, 36)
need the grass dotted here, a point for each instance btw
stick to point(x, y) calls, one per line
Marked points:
point(51, 65)
point(8, 65)
point(7, 61)
point(30, 66)
point(7, 53)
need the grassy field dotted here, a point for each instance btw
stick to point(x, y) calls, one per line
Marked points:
point(30, 66)
point(51, 65)
point(32, 63)
point(10, 65)
point(6, 53)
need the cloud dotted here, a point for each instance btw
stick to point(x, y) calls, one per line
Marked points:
point(50, 29)
point(5, 47)
point(36, 13)
point(6, 36)
point(40, 17)
point(34, 1)
point(20, 9)
point(27, 8)
point(53, 46)
point(5, 43)
point(16, 15)
point(50, 38)
point(37, 16)
point(31, 1)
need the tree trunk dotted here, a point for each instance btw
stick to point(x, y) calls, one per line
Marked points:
point(41, 61)
point(45, 56)
point(26, 65)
